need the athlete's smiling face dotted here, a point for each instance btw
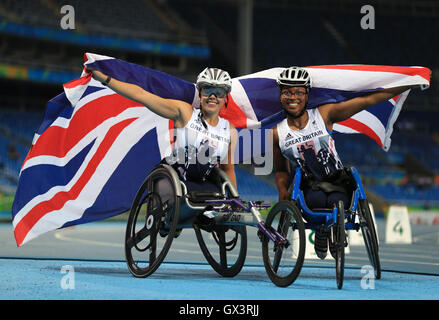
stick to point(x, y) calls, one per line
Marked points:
point(294, 100)
point(212, 99)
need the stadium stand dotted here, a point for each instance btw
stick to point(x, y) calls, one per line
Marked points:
point(16, 132)
point(144, 17)
point(252, 188)
point(36, 56)
point(407, 174)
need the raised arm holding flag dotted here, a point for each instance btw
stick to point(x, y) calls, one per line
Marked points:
point(95, 146)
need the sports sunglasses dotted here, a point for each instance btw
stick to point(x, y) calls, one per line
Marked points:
point(217, 92)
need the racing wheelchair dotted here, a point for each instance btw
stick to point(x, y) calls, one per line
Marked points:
point(334, 221)
point(164, 205)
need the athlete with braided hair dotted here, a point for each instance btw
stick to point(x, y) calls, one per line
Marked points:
point(304, 139)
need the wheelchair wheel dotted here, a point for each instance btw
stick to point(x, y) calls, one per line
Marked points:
point(370, 236)
point(220, 248)
point(339, 242)
point(283, 263)
point(151, 223)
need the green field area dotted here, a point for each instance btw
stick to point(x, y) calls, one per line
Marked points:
point(6, 202)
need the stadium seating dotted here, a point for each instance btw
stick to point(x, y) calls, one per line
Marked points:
point(252, 188)
point(385, 172)
point(286, 35)
point(28, 11)
point(17, 130)
point(408, 195)
point(21, 125)
point(283, 36)
point(94, 16)
point(131, 19)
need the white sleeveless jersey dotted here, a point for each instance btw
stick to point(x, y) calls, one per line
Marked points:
point(312, 148)
point(194, 134)
point(199, 147)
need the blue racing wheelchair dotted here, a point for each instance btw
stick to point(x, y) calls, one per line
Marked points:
point(334, 221)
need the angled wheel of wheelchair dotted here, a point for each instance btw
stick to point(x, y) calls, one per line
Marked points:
point(340, 242)
point(283, 262)
point(151, 223)
point(224, 247)
point(369, 236)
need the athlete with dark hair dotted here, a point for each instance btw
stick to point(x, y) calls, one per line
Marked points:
point(203, 138)
point(304, 139)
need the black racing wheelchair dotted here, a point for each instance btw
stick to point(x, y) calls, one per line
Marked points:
point(164, 205)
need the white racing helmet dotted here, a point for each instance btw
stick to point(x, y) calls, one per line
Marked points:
point(214, 77)
point(295, 77)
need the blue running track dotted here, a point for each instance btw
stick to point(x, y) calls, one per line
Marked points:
point(42, 279)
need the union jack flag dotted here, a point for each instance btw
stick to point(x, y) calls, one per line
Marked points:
point(95, 147)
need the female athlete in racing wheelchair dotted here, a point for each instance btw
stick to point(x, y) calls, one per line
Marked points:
point(197, 180)
point(328, 196)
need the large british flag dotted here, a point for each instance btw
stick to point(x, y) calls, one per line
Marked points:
point(94, 147)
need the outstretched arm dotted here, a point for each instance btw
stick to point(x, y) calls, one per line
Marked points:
point(337, 112)
point(176, 110)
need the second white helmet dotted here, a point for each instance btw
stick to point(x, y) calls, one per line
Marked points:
point(295, 77)
point(214, 77)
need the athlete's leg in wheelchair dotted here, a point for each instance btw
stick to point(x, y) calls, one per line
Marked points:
point(230, 240)
point(192, 202)
point(194, 206)
point(320, 197)
point(316, 199)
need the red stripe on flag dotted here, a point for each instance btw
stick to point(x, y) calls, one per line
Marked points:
point(234, 114)
point(171, 133)
point(362, 128)
point(77, 82)
point(59, 199)
point(57, 141)
point(410, 71)
point(395, 98)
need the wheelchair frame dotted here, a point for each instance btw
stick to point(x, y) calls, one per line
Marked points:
point(162, 212)
point(330, 215)
point(164, 219)
point(337, 220)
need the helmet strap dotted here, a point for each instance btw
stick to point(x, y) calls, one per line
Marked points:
point(201, 116)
